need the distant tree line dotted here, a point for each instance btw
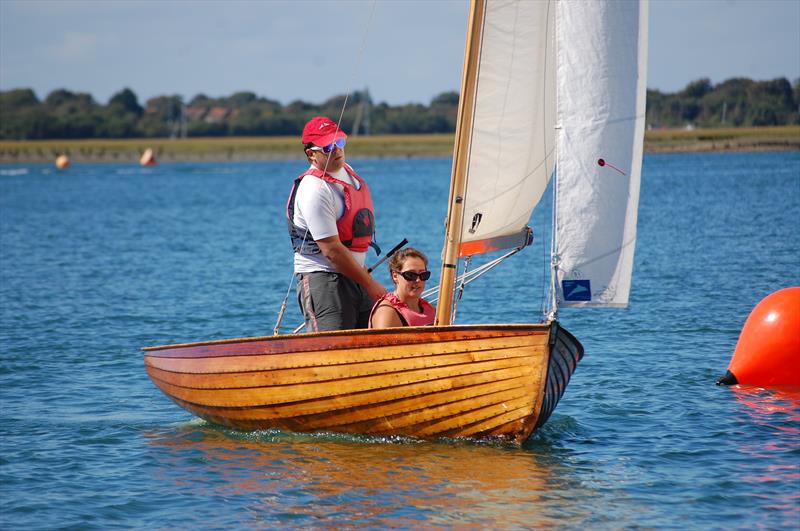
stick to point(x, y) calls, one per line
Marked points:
point(68, 115)
point(736, 102)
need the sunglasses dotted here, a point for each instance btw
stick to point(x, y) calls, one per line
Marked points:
point(411, 276)
point(330, 147)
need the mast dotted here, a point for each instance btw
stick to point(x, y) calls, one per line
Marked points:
point(552, 309)
point(458, 180)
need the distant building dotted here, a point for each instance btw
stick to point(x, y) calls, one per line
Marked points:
point(216, 114)
point(196, 114)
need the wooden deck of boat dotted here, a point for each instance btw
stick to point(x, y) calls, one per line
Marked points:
point(459, 381)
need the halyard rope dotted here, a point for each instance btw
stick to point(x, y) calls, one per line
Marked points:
point(356, 68)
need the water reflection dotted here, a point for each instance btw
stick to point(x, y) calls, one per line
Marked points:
point(326, 480)
point(775, 411)
point(772, 406)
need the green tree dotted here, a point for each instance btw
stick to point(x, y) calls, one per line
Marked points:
point(240, 99)
point(125, 101)
point(697, 89)
point(17, 99)
point(121, 116)
point(445, 99)
point(772, 102)
point(20, 117)
point(72, 115)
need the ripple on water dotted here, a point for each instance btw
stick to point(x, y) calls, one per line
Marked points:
point(105, 259)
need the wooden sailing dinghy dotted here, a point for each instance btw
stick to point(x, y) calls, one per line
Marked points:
point(455, 381)
point(545, 84)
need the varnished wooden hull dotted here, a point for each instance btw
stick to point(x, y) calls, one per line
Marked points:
point(477, 381)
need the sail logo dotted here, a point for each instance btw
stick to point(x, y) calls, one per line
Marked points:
point(577, 290)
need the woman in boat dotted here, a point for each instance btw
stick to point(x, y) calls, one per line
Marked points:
point(405, 306)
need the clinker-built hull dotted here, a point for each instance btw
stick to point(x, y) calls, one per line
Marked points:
point(475, 381)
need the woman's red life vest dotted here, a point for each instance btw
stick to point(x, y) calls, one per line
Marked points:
point(408, 316)
point(356, 226)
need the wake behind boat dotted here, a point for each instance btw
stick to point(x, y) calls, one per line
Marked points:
point(549, 89)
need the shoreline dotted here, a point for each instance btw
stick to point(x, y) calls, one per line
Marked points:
point(783, 138)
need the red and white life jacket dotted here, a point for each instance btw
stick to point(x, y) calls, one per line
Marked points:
point(356, 226)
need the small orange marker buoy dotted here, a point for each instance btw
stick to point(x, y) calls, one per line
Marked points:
point(62, 161)
point(148, 158)
point(768, 350)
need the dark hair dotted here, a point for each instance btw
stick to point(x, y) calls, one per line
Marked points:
point(398, 258)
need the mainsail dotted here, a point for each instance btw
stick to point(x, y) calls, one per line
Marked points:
point(512, 151)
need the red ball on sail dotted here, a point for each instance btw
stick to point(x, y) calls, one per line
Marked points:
point(768, 350)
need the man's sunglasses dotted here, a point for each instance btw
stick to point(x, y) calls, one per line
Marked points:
point(411, 276)
point(327, 149)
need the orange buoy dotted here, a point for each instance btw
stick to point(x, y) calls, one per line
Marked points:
point(148, 158)
point(768, 350)
point(62, 161)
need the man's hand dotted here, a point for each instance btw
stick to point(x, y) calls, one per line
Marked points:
point(335, 251)
point(375, 290)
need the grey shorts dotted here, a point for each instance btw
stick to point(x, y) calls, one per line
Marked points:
point(330, 301)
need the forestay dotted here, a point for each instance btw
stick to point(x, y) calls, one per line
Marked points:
point(601, 84)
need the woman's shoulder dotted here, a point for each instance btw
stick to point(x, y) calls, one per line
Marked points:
point(384, 304)
point(385, 314)
point(393, 300)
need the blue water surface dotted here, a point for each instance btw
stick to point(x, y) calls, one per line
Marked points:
point(100, 260)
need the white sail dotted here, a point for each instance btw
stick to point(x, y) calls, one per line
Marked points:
point(601, 89)
point(512, 151)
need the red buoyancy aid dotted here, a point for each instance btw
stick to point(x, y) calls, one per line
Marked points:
point(356, 226)
point(408, 316)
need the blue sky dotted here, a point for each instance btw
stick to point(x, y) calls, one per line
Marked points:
point(312, 50)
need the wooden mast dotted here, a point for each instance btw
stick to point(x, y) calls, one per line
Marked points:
point(458, 181)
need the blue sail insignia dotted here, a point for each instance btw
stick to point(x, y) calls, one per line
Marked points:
point(577, 290)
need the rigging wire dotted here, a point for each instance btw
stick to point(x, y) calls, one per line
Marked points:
point(546, 286)
point(552, 310)
point(351, 83)
point(546, 260)
point(461, 286)
point(473, 275)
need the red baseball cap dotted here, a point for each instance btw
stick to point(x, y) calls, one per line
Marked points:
point(321, 131)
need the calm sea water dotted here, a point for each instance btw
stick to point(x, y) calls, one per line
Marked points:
point(100, 260)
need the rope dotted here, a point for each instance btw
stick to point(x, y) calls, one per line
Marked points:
point(357, 66)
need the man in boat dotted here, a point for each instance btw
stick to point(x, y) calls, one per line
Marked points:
point(331, 225)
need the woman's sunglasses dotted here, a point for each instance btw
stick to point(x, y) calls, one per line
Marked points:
point(327, 149)
point(411, 276)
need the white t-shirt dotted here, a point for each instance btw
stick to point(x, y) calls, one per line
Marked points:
point(317, 206)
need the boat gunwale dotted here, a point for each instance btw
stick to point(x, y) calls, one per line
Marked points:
point(544, 327)
point(388, 354)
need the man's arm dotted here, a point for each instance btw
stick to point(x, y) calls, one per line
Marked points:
point(334, 250)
